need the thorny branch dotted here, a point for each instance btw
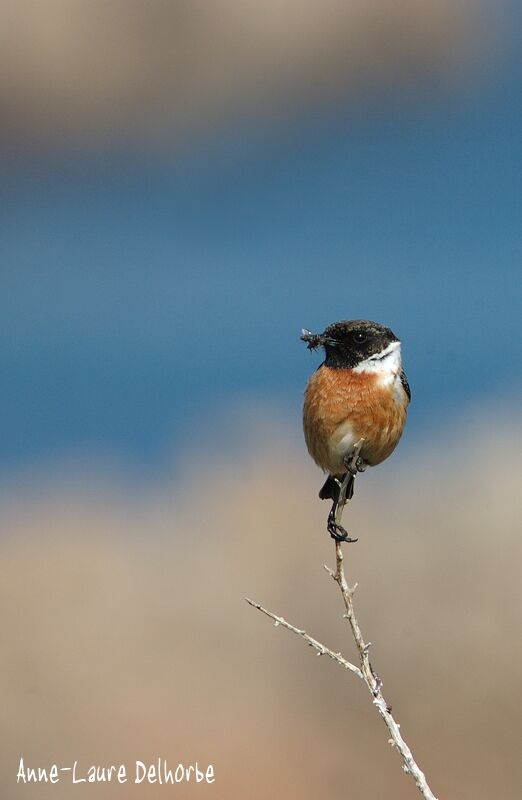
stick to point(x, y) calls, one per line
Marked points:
point(365, 671)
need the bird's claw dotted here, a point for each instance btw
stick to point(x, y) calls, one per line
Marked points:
point(355, 464)
point(338, 533)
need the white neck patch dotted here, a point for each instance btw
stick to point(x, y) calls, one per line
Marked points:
point(386, 364)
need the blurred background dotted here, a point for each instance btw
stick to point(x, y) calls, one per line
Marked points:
point(184, 187)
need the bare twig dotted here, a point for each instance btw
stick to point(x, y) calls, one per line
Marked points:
point(321, 649)
point(365, 671)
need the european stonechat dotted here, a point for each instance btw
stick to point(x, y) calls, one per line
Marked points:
point(355, 404)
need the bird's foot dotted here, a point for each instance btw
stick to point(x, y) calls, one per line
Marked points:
point(361, 464)
point(337, 532)
point(355, 464)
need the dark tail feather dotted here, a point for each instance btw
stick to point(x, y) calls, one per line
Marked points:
point(330, 489)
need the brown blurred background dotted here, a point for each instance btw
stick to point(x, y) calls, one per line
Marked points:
point(186, 185)
point(126, 635)
point(74, 70)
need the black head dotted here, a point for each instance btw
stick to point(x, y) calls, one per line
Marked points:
point(349, 342)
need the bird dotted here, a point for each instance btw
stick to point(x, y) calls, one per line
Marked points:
point(355, 405)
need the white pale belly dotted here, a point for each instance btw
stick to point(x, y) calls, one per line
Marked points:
point(343, 442)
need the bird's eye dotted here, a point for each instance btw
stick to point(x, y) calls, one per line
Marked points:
point(359, 337)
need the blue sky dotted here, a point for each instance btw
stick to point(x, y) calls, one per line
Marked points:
point(143, 289)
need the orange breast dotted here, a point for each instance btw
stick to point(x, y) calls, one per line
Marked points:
point(342, 406)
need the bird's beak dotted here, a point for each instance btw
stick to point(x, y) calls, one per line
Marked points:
point(313, 340)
